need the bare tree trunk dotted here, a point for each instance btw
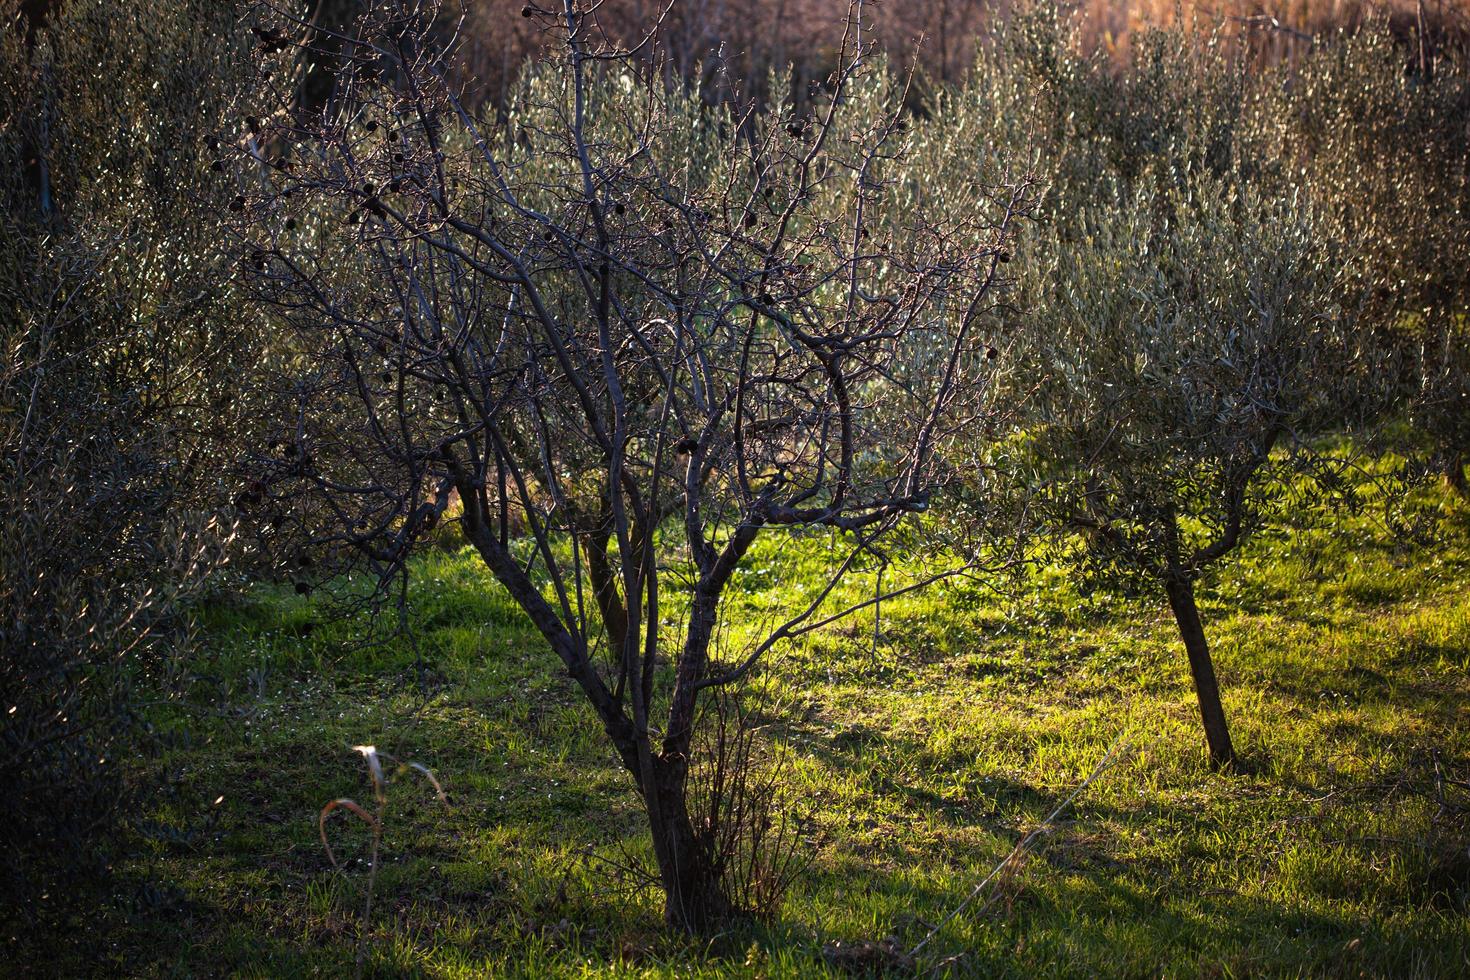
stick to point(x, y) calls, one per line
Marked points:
point(1202, 668)
point(694, 897)
point(1454, 475)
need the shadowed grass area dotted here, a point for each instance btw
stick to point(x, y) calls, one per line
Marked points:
point(921, 747)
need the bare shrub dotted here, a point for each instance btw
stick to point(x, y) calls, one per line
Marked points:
point(737, 803)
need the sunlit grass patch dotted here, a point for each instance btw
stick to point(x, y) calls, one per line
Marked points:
point(921, 748)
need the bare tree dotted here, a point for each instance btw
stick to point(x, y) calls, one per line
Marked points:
point(639, 331)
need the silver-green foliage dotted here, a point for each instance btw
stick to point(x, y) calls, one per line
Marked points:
point(1184, 336)
point(118, 380)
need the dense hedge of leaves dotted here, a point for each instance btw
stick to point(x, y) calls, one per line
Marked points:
point(120, 387)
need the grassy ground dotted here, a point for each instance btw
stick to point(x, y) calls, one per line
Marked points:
point(921, 759)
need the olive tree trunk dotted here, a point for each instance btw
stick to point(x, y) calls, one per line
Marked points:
point(1202, 669)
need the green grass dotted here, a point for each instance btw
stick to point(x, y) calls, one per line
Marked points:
point(921, 760)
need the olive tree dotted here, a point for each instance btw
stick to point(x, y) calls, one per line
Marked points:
point(628, 335)
point(1383, 152)
point(119, 381)
point(1192, 343)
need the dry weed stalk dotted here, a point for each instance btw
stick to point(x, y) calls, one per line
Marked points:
point(374, 760)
